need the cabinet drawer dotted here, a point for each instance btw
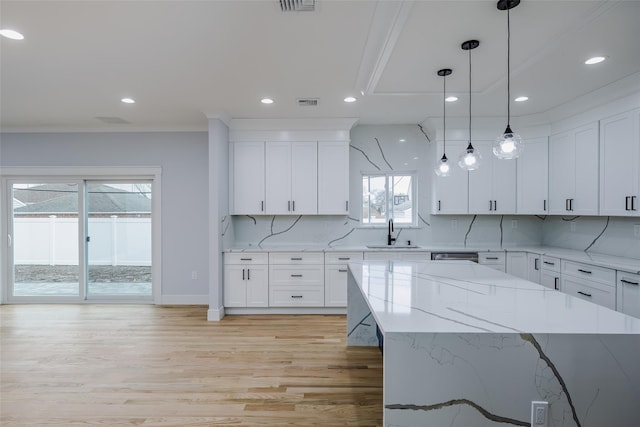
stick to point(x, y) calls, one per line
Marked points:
point(296, 275)
point(491, 258)
point(294, 258)
point(246, 258)
point(550, 263)
point(341, 257)
point(602, 275)
point(595, 292)
point(288, 296)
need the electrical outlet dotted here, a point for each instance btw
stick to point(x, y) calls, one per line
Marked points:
point(539, 413)
point(636, 230)
point(514, 223)
point(194, 275)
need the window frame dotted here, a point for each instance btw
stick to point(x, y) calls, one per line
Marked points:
point(388, 176)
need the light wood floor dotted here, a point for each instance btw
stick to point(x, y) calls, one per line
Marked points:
point(168, 366)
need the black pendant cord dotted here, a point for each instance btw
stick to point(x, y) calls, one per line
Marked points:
point(508, 69)
point(444, 117)
point(469, 97)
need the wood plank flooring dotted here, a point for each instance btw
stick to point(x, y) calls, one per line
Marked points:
point(168, 366)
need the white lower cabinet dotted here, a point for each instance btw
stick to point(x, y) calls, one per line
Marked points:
point(246, 280)
point(335, 277)
point(534, 267)
point(517, 264)
point(296, 279)
point(628, 293)
point(591, 283)
point(495, 260)
point(550, 273)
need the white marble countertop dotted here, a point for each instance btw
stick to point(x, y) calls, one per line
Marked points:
point(600, 260)
point(464, 297)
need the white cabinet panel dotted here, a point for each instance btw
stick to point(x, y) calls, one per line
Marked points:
point(492, 187)
point(450, 193)
point(333, 177)
point(246, 280)
point(533, 178)
point(517, 264)
point(550, 279)
point(573, 172)
point(534, 267)
point(278, 177)
point(620, 164)
point(247, 195)
point(335, 277)
point(590, 291)
point(304, 178)
point(628, 293)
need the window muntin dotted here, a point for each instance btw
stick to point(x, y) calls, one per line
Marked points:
point(389, 196)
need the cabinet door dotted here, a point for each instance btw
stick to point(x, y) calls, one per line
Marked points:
point(450, 195)
point(550, 279)
point(335, 286)
point(534, 262)
point(304, 178)
point(257, 285)
point(333, 177)
point(278, 178)
point(561, 172)
point(517, 264)
point(235, 286)
point(247, 195)
point(619, 159)
point(503, 185)
point(585, 201)
point(628, 293)
point(533, 178)
point(481, 181)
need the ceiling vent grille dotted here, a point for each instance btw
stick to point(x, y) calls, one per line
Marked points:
point(297, 5)
point(308, 102)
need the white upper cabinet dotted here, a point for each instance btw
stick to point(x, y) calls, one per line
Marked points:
point(291, 178)
point(573, 172)
point(532, 192)
point(333, 177)
point(247, 178)
point(620, 164)
point(492, 187)
point(450, 193)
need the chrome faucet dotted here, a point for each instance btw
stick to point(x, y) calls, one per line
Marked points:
point(390, 238)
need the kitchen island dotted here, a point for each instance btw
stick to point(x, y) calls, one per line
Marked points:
point(465, 345)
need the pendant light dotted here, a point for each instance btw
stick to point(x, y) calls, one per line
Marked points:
point(470, 159)
point(443, 168)
point(509, 145)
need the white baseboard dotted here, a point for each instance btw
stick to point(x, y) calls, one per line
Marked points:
point(215, 314)
point(184, 300)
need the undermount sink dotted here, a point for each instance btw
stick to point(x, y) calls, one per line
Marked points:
point(392, 246)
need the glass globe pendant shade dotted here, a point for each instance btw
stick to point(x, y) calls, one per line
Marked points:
point(443, 168)
point(508, 145)
point(470, 159)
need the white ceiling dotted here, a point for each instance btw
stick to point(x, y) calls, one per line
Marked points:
point(185, 60)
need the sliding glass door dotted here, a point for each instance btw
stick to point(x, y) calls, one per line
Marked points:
point(119, 239)
point(80, 240)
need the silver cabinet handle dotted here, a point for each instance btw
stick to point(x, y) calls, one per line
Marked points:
point(628, 282)
point(585, 294)
point(584, 271)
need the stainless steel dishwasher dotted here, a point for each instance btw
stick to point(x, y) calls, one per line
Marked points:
point(454, 256)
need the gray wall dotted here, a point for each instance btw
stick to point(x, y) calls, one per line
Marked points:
point(184, 162)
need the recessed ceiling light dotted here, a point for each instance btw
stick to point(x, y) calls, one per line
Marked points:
point(401, 140)
point(595, 60)
point(349, 99)
point(416, 158)
point(521, 99)
point(451, 98)
point(128, 100)
point(266, 101)
point(11, 34)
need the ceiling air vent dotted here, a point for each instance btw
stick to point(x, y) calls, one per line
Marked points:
point(308, 102)
point(297, 5)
